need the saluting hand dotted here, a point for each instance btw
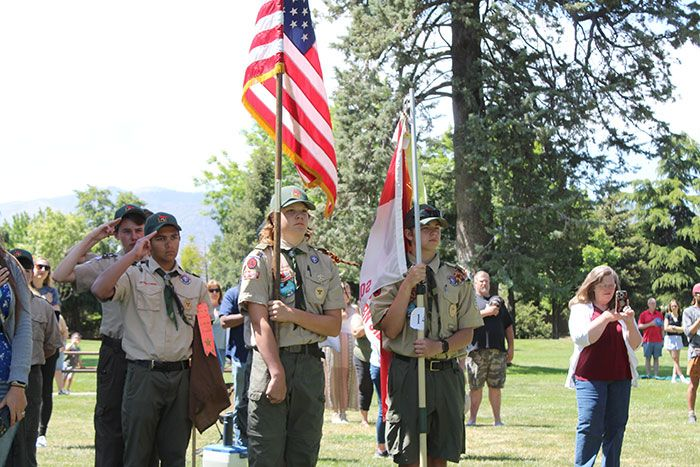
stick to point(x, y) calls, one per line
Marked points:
point(279, 312)
point(105, 230)
point(142, 247)
point(427, 347)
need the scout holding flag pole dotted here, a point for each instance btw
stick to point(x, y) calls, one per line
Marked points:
point(290, 290)
point(425, 390)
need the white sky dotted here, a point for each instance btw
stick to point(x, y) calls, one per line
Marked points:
point(141, 93)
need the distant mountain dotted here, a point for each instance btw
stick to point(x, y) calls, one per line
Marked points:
point(187, 207)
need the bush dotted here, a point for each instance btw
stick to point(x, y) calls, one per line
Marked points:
point(532, 322)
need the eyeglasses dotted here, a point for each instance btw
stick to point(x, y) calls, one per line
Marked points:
point(44, 267)
point(214, 290)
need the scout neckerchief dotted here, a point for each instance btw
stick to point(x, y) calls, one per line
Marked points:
point(290, 254)
point(431, 297)
point(170, 296)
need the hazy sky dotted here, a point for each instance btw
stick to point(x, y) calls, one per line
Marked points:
point(141, 93)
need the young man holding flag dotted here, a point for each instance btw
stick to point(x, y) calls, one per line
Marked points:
point(450, 317)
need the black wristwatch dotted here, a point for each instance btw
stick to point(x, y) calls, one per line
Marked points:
point(445, 345)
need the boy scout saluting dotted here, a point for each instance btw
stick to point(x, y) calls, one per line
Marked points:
point(159, 301)
point(285, 406)
point(127, 227)
point(450, 317)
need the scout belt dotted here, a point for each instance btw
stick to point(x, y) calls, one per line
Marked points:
point(432, 365)
point(155, 365)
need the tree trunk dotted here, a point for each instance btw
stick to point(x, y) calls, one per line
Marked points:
point(511, 302)
point(472, 185)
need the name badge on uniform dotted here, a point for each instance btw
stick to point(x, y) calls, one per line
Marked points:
point(417, 321)
point(453, 310)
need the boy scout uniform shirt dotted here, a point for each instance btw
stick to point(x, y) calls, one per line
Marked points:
point(320, 282)
point(149, 334)
point(46, 338)
point(85, 274)
point(455, 305)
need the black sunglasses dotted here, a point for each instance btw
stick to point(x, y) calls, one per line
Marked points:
point(45, 267)
point(215, 290)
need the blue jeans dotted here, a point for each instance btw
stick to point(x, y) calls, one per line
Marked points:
point(374, 374)
point(603, 409)
point(241, 376)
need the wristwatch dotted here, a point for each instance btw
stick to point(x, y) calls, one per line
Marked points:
point(445, 345)
point(18, 384)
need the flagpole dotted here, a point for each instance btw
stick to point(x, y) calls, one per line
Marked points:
point(420, 294)
point(277, 196)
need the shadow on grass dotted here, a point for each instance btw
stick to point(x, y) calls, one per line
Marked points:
point(511, 425)
point(535, 370)
point(498, 458)
point(79, 447)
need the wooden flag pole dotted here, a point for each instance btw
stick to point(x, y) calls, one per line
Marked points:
point(420, 296)
point(277, 216)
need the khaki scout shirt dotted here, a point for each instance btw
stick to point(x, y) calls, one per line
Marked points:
point(149, 334)
point(85, 274)
point(46, 338)
point(455, 302)
point(321, 284)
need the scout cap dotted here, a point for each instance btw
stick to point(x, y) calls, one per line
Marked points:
point(159, 220)
point(24, 257)
point(130, 210)
point(426, 213)
point(290, 195)
point(696, 288)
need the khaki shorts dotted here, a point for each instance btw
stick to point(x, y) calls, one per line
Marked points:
point(444, 408)
point(694, 367)
point(486, 366)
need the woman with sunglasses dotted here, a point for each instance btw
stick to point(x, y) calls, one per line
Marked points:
point(15, 348)
point(603, 367)
point(691, 327)
point(673, 342)
point(214, 290)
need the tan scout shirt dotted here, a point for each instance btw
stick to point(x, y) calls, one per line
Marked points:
point(455, 302)
point(321, 284)
point(46, 338)
point(85, 274)
point(149, 334)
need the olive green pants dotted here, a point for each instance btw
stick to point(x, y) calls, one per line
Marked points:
point(444, 392)
point(154, 416)
point(288, 433)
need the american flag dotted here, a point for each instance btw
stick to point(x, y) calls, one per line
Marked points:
point(285, 42)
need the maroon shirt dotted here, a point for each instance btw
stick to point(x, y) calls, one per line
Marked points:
point(607, 359)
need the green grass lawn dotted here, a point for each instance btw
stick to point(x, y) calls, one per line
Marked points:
point(540, 417)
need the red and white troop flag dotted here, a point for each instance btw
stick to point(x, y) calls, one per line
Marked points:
point(285, 42)
point(385, 255)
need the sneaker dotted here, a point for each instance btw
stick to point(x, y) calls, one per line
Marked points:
point(471, 423)
point(41, 442)
point(692, 418)
point(674, 380)
point(63, 392)
point(499, 423)
point(380, 454)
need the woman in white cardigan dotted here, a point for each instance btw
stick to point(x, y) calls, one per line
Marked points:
point(603, 366)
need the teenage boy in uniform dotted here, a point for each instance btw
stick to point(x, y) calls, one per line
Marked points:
point(450, 318)
point(127, 227)
point(159, 302)
point(45, 340)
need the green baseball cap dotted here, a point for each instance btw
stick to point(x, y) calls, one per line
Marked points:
point(159, 220)
point(292, 194)
point(24, 257)
point(130, 210)
point(426, 213)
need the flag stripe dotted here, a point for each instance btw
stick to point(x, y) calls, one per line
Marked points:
point(307, 134)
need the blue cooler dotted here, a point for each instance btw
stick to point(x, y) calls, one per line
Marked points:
point(219, 455)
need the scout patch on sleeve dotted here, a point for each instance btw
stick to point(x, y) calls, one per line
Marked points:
point(251, 263)
point(250, 274)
